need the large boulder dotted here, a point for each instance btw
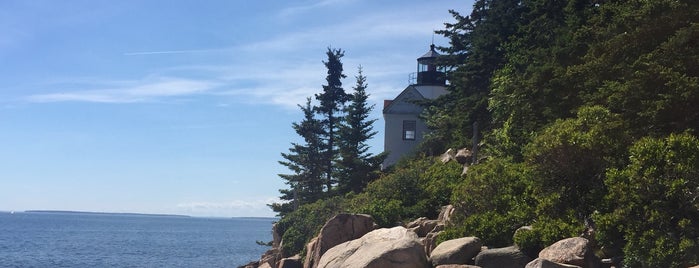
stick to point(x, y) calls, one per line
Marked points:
point(456, 251)
point(509, 257)
point(543, 263)
point(576, 251)
point(382, 248)
point(337, 230)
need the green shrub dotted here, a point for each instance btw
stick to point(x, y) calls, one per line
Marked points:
point(301, 225)
point(570, 158)
point(492, 202)
point(386, 213)
point(414, 189)
point(528, 241)
point(656, 210)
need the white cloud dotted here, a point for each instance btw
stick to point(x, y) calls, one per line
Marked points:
point(138, 91)
point(234, 208)
point(296, 10)
point(140, 53)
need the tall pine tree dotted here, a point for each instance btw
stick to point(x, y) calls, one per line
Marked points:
point(356, 166)
point(331, 101)
point(306, 162)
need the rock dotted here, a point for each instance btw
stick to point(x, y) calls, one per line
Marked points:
point(308, 260)
point(575, 251)
point(291, 262)
point(265, 265)
point(445, 214)
point(509, 257)
point(337, 230)
point(422, 226)
point(447, 156)
point(457, 266)
point(463, 156)
point(271, 257)
point(382, 248)
point(430, 242)
point(276, 236)
point(543, 263)
point(456, 251)
point(252, 264)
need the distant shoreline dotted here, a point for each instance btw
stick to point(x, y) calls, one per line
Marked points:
point(105, 213)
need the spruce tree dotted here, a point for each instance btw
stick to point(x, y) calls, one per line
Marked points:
point(331, 101)
point(476, 51)
point(305, 162)
point(357, 167)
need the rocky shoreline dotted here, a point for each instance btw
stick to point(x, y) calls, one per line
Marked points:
point(353, 240)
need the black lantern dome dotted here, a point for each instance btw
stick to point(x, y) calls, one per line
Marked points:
point(427, 71)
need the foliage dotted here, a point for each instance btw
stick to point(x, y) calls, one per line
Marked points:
point(414, 190)
point(304, 160)
point(475, 52)
point(658, 191)
point(356, 167)
point(492, 202)
point(570, 158)
point(302, 224)
point(530, 90)
point(332, 99)
point(643, 64)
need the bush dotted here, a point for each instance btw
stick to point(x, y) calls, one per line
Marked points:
point(656, 207)
point(570, 158)
point(528, 241)
point(386, 212)
point(300, 226)
point(492, 202)
point(414, 189)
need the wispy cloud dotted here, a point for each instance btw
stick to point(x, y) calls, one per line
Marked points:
point(134, 92)
point(256, 208)
point(141, 53)
point(301, 9)
point(278, 70)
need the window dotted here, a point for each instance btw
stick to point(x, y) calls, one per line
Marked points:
point(409, 129)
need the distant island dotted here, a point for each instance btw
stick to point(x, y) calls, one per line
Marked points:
point(105, 213)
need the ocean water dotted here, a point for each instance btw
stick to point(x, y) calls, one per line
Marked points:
point(116, 240)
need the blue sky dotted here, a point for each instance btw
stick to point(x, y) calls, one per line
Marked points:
point(181, 106)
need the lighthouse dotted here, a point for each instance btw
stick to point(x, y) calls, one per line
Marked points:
point(404, 130)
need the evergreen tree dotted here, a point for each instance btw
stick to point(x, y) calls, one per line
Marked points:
point(331, 101)
point(356, 167)
point(531, 90)
point(305, 162)
point(643, 63)
point(476, 51)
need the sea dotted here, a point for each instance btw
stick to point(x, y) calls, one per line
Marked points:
point(66, 239)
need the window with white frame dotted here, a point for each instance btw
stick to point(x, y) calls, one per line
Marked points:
point(409, 129)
